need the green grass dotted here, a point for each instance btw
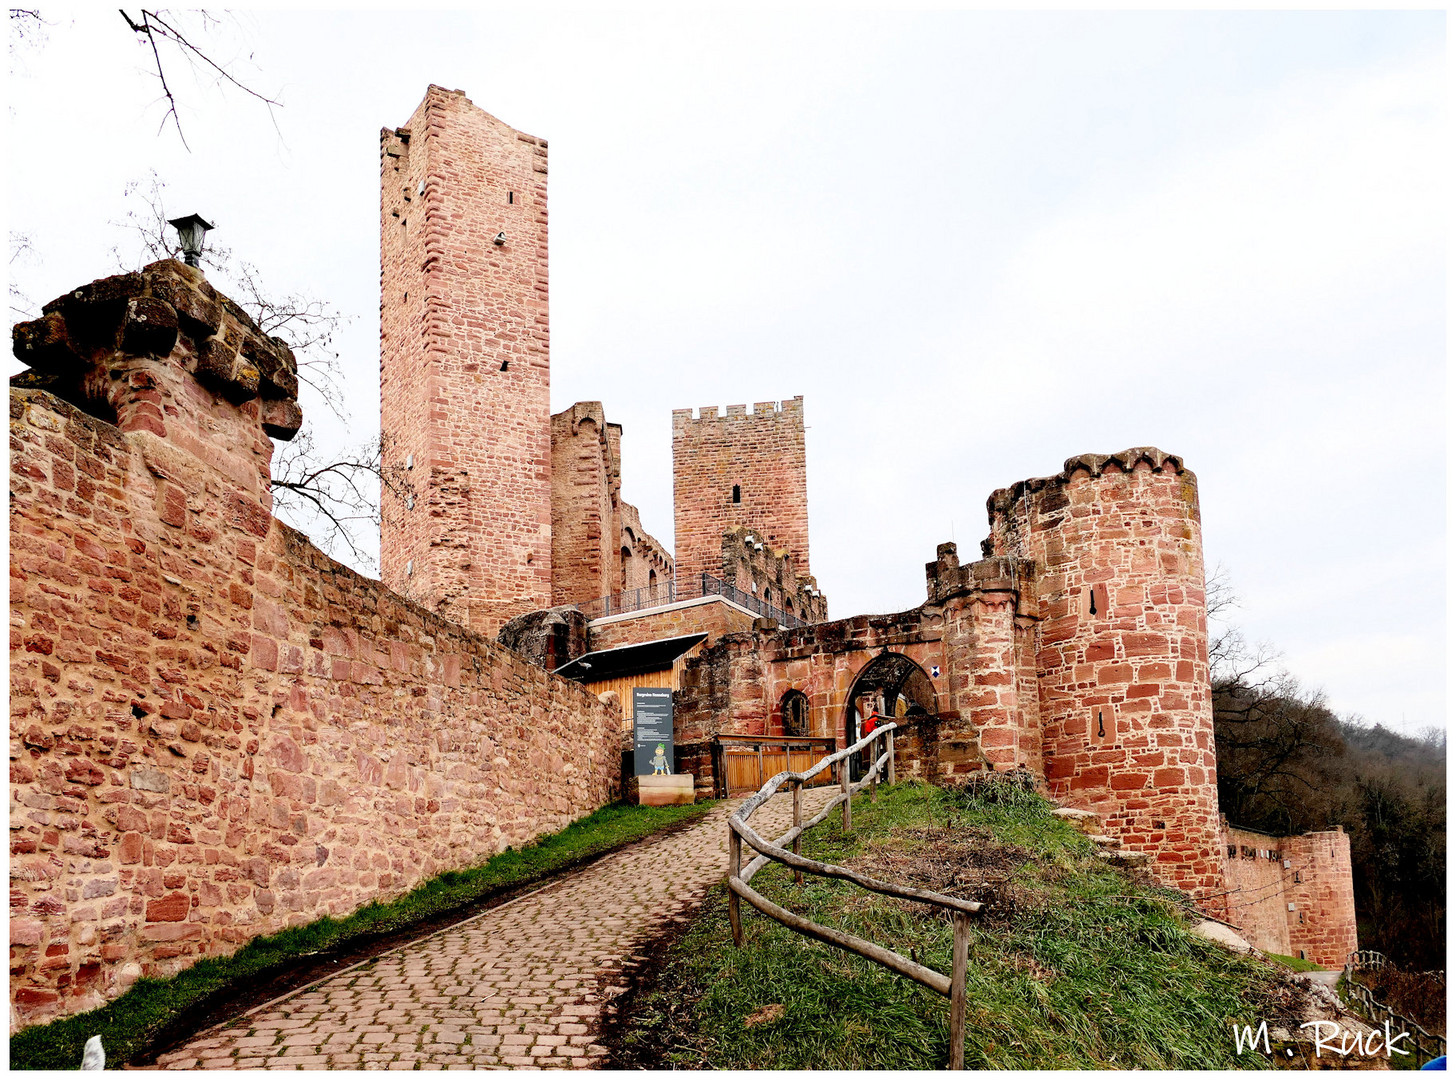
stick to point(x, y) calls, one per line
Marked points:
point(1073, 965)
point(128, 1024)
point(1294, 963)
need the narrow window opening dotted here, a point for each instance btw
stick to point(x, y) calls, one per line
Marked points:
point(737, 494)
point(510, 196)
point(1092, 601)
point(505, 365)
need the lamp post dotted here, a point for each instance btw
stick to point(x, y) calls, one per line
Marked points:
point(190, 230)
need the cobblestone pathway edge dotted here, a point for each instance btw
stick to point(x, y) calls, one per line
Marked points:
point(523, 984)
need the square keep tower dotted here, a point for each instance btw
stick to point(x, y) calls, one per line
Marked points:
point(464, 364)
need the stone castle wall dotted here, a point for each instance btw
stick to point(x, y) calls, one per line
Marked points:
point(1293, 895)
point(1255, 881)
point(753, 566)
point(217, 731)
point(1122, 652)
point(762, 454)
point(599, 547)
point(464, 363)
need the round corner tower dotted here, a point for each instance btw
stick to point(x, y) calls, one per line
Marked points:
point(1122, 652)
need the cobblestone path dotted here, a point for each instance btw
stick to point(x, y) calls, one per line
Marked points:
point(520, 985)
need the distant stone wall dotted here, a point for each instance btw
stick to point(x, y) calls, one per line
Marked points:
point(217, 731)
point(599, 547)
point(1257, 903)
point(759, 569)
point(1293, 895)
point(1322, 924)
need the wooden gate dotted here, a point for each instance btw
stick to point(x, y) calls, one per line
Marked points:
point(745, 762)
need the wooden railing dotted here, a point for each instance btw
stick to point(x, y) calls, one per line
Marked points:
point(739, 877)
point(1428, 1047)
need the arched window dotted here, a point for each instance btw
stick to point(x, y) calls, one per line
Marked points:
point(737, 494)
point(626, 558)
point(652, 584)
point(794, 709)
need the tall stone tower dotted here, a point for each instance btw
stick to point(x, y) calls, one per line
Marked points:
point(1122, 652)
point(742, 469)
point(464, 363)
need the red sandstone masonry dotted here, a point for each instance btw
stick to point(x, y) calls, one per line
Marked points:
point(598, 544)
point(1324, 895)
point(1119, 572)
point(1299, 902)
point(762, 453)
point(465, 362)
point(217, 731)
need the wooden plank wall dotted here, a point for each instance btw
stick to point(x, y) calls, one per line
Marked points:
point(668, 677)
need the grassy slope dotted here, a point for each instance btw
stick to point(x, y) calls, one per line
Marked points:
point(127, 1024)
point(1074, 966)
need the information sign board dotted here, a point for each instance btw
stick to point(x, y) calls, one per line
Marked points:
point(651, 730)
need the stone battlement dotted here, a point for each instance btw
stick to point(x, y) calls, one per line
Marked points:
point(1002, 499)
point(762, 410)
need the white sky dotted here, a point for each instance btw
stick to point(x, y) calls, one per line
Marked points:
point(977, 244)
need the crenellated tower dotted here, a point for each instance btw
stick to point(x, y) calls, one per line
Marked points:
point(1124, 694)
point(742, 470)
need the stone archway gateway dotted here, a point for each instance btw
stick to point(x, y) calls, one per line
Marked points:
point(892, 684)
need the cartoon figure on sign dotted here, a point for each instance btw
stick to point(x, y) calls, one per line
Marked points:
point(659, 761)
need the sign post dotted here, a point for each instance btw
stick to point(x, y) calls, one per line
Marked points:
point(652, 749)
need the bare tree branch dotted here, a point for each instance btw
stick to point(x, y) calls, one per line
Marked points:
point(153, 29)
point(328, 494)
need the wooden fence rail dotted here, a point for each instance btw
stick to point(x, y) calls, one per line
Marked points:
point(1428, 1046)
point(740, 832)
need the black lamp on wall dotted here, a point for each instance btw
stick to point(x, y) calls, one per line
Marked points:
point(190, 231)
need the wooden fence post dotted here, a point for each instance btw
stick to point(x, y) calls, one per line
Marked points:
point(798, 823)
point(959, 948)
point(844, 786)
point(875, 772)
point(735, 863)
point(891, 738)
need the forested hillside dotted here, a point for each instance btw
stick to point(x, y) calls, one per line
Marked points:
point(1287, 764)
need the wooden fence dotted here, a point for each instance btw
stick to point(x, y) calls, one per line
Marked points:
point(1428, 1047)
point(740, 832)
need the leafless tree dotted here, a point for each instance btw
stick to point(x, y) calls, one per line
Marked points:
point(328, 493)
point(162, 32)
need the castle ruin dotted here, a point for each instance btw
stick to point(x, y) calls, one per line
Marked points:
point(217, 731)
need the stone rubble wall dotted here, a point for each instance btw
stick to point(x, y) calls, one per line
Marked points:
point(216, 730)
point(598, 545)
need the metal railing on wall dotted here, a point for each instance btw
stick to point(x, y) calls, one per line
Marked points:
point(670, 592)
point(740, 832)
point(1428, 1047)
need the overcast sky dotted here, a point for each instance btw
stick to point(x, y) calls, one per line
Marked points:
point(977, 244)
